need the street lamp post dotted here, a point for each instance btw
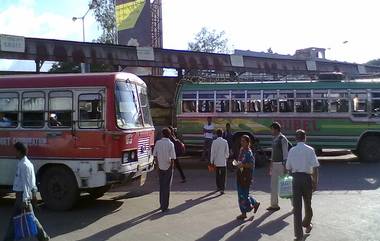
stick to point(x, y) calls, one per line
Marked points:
point(91, 6)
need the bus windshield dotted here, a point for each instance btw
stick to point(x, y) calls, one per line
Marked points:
point(128, 113)
point(144, 102)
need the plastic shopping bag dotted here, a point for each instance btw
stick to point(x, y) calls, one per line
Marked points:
point(285, 186)
point(25, 225)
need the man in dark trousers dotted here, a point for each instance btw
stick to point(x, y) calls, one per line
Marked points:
point(219, 154)
point(303, 164)
point(164, 155)
point(179, 149)
point(24, 185)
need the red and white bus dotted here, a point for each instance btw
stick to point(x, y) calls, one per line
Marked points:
point(84, 132)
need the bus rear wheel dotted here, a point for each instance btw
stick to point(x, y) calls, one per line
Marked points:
point(59, 188)
point(98, 192)
point(369, 149)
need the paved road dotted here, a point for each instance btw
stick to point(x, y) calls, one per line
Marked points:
point(346, 207)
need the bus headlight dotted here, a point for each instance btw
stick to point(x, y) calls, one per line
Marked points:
point(130, 156)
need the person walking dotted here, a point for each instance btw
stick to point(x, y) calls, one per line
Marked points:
point(280, 146)
point(164, 155)
point(303, 165)
point(24, 185)
point(208, 133)
point(179, 148)
point(219, 154)
point(245, 165)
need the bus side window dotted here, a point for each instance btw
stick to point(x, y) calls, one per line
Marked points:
point(375, 106)
point(339, 102)
point(206, 101)
point(320, 101)
point(33, 109)
point(254, 102)
point(8, 110)
point(270, 102)
point(238, 102)
point(222, 102)
point(189, 102)
point(359, 101)
point(90, 111)
point(303, 101)
point(286, 102)
point(60, 109)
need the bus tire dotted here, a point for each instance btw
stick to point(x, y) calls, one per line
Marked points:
point(369, 149)
point(98, 192)
point(59, 188)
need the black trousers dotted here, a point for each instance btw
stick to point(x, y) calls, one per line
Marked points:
point(17, 209)
point(179, 168)
point(206, 149)
point(165, 177)
point(220, 174)
point(302, 189)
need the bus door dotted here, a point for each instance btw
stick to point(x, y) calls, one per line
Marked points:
point(89, 132)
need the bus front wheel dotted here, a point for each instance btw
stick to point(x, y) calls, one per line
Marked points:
point(369, 149)
point(59, 188)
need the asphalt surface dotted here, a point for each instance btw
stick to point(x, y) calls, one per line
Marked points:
point(346, 207)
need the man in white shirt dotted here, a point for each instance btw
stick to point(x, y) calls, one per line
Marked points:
point(278, 158)
point(24, 185)
point(219, 154)
point(303, 164)
point(164, 155)
point(208, 133)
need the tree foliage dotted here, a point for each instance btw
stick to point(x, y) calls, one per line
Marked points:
point(209, 41)
point(374, 62)
point(104, 12)
point(63, 67)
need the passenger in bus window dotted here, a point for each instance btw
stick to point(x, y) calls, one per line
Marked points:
point(53, 120)
point(355, 101)
point(4, 121)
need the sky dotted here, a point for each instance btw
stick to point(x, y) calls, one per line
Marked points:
point(282, 25)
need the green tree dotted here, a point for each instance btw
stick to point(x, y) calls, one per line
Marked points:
point(210, 41)
point(104, 12)
point(374, 62)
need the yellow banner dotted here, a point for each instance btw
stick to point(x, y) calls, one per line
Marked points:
point(127, 14)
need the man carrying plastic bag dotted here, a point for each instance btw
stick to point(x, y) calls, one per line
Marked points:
point(303, 164)
point(23, 223)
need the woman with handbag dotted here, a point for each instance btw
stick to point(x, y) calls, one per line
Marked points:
point(245, 165)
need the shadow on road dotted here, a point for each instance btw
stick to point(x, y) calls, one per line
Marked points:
point(114, 230)
point(248, 230)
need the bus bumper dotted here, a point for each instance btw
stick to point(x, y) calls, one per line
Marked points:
point(145, 166)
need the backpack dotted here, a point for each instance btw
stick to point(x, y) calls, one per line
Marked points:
point(179, 147)
point(289, 144)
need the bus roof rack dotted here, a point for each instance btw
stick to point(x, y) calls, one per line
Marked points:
point(337, 76)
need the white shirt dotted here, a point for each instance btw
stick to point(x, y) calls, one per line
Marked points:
point(25, 179)
point(219, 152)
point(207, 127)
point(165, 153)
point(302, 158)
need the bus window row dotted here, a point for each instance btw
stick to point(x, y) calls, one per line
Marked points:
point(36, 109)
point(301, 101)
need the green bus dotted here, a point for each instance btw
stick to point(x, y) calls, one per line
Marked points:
point(336, 114)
